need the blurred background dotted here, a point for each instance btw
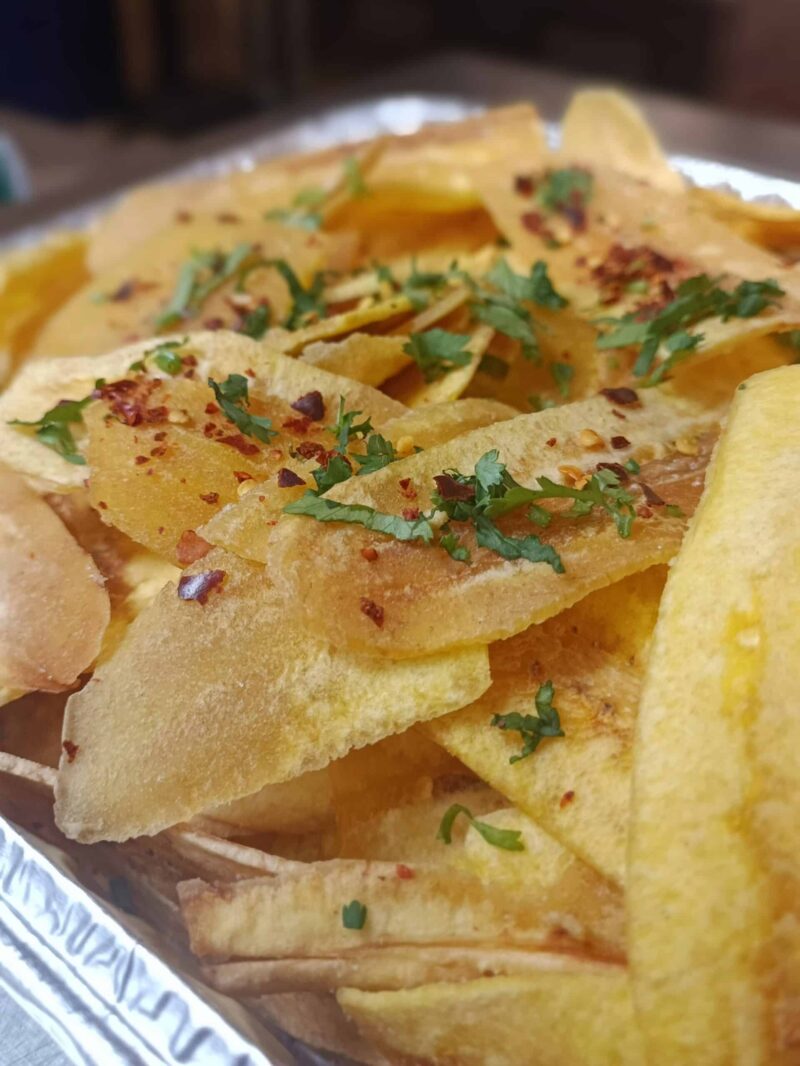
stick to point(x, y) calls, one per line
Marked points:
point(117, 86)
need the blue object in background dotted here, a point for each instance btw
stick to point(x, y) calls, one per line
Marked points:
point(14, 181)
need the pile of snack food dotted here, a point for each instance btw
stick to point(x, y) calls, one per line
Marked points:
point(349, 611)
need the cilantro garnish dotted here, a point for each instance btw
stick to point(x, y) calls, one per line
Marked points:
point(336, 470)
point(354, 915)
point(204, 272)
point(438, 351)
point(354, 178)
point(632, 466)
point(325, 510)
point(305, 302)
point(256, 322)
point(166, 357)
point(536, 287)
point(346, 426)
point(603, 490)
point(533, 728)
point(565, 188)
point(562, 374)
point(454, 548)
point(696, 299)
point(53, 428)
point(232, 395)
point(380, 452)
point(508, 839)
point(301, 213)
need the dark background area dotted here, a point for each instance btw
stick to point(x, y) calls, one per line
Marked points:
point(180, 65)
point(120, 86)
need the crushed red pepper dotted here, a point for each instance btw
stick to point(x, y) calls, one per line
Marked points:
point(70, 749)
point(288, 479)
point(237, 441)
point(198, 586)
point(624, 266)
point(370, 554)
point(623, 395)
point(209, 497)
point(620, 442)
point(191, 547)
point(311, 404)
point(373, 611)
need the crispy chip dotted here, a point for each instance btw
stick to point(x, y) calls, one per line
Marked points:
point(577, 786)
point(499, 1020)
point(53, 607)
point(253, 699)
point(452, 604)
point(715, 870)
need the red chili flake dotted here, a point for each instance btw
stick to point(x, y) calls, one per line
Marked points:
point(450, 489)
point(405, 873)
point(70, 749)
point(312, 449)
point(214, 323)
point(644, 512)
point(651, 496)
point(296, 425)
point(156, 414)
point(209, 429)
point(161, 435)
point(191, 547)
point(228, 216)
point(189, 360)
point(209, 497)
point(198, 586)
point(369, 554)
point(620, 442)
point(158, 451)
point(183, 216)
point(552, 442)
point(287, 479)
point(615, 468)
point(149, 472)
point(373, 611)
point(567, 798)
point(407, 488)
point(250, 372)
point(124, 292)
point(411, 514)
point(523, 185)
point(141, 459)
point(619, 414)
point(242, 475)
point(534, 222)
point(311, 404)
point(622, 266)
point(211, 409)
point(160, 530)
point(237, 441)
point(102, 505)
point(622, 395)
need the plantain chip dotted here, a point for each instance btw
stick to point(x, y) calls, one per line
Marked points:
point(452, 604)
point(254, 699)
point(714, 882)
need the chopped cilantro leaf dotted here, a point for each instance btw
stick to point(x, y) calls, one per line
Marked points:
point(167, 359)
point(199, 277)
point(541, 403)
point(632, 466)
point(325, 510)
point(562, 374)
point(346, 426)
point(53, 428)
point(232, 395)
point(537, 287)
point(309, 220)
point(508, 839)
point(674, 511)
point(437, 351)
point(493, 366)
point(696, 299)
point(454, 548)
point(338, 469)
point(354, 178)
point(530, 547)
point(533, 728)
point(512, 321)
point(256, 322)
point(380, 452)
point(564, 188)
point(354, 915)
point(305, 302)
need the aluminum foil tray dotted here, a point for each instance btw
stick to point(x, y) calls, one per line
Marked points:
point(91, 976)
